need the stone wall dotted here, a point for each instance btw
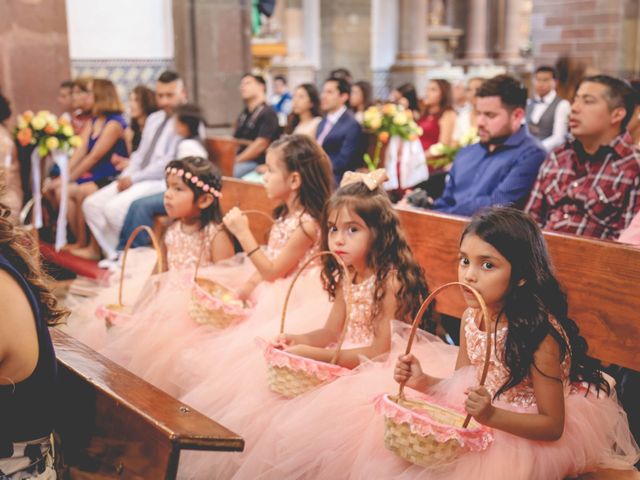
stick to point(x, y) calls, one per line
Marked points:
point(34, 52)
point(601, 33)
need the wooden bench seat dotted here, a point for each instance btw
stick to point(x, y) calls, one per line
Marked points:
point(112, 424)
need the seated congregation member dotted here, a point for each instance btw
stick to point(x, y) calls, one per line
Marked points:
point(82, 103)
point(257, 125)
point(590, 186)
point(281, 99)
point(189, 125)
point(305, 115)
point(9, 164)
point(339, 134)
point(501, 169)
point(360, 99)
point(65, 99)
point(105, 210)
point(142, 103)
point(634, 123)
point(547, 114)
point(406, 96)
point(467, 120)
point(28, 369)
point(90, 165)
point(438, 118)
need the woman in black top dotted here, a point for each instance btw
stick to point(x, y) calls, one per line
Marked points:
point(27, 359)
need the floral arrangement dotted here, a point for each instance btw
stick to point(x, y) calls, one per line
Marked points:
point(441, 155)
point(386, 121)
point(46, 131)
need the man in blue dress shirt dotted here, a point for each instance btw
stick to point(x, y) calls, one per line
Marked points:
point(501, 169)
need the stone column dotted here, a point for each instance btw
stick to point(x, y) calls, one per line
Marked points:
point(212, 41)
point(296, 66)
point(34, 53)
point(510, 47)
point(412, 58)
point(477, 32)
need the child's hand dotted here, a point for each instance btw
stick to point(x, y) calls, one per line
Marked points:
point(478, 404)
point(299, 349)
point(282, 341)
point(236, 221)
point(408, 371)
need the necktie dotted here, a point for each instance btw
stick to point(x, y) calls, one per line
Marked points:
point(328, 125)
point(149, 153)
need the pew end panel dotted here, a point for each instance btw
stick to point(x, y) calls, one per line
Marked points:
point(112, 424)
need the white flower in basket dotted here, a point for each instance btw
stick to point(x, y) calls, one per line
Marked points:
point(427, 433)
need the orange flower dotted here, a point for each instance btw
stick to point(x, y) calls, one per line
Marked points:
point(24, 136)
point(383, 137)
point(28, 115)
point(50, 129)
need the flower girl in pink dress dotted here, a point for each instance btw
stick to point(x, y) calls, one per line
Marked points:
point(552, 412)
point(299, 177)
point(192, 200)
point(361, 227)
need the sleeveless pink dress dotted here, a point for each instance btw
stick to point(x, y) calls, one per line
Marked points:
point(596, 432)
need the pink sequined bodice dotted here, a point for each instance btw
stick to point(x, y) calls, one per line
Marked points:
point(282, 230)
point(360, 327)
point(522, 395)
point(183, 248)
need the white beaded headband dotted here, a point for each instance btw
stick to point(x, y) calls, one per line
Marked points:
point(190, 177)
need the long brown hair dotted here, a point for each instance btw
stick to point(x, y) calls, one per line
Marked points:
point(302, 154)
point(389, 251)
point(446, 97)
point(18, 248)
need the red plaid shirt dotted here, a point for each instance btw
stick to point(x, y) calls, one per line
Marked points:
point(597, 197)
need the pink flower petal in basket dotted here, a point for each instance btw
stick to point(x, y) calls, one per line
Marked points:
point(420, 423)
point(280, 358)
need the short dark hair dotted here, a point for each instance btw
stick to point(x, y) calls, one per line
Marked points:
point(5, 108)
point(547, 69)
point(258, 78)
point(281, 78)
point(619, 94)
point(341, 72)
point(343, 85)
point(66, 84)
point(168, 76)
point(511, 92)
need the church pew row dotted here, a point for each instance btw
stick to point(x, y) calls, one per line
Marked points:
point(600, 278)
point(112, 424)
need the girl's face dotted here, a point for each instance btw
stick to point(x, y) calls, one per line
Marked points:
point(181, 129)
point(482, 267)
point(277, 179)
point(356, 99)
point(179, 199)
point(301, 102)
point(349, 237)
point(434, 95)
point(134, 106)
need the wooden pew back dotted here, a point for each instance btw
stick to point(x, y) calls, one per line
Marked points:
point(112, 424)
point(600, 278)
point(223, 150)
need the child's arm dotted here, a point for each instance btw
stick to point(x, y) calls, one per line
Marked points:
point(221, 245)
point(548, 423)
point(245, 292)
point(298, 244)
point(350, 358)
point(409, 371)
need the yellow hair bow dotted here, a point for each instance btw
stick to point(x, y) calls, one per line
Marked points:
point(371, 179)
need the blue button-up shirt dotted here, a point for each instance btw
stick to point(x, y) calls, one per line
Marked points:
point(480, 178)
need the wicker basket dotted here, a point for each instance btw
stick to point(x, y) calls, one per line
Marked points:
point(424, 432)
point(211, 302)
point(115, 313)
point(289, 374)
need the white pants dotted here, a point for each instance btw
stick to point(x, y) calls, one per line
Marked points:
point(106, 209)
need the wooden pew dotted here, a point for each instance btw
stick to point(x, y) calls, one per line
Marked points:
point(600, 278)
point(112, 424)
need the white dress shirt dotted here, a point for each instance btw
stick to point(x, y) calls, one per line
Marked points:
point(560, 119)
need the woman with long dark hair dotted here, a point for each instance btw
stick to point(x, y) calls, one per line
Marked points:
point(305, 115)
point(437, 118)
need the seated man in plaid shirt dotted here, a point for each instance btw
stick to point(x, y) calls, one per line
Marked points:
point(590, 186)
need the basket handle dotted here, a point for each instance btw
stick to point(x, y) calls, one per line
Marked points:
point(156, 247)
point(219, 228)
point(485, 314)
point(348, 302)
